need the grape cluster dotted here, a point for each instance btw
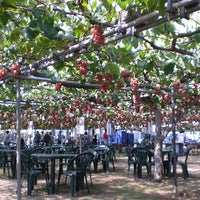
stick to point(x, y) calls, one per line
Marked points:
point(105, 80)
point(97, 33)
point(136, 99)
point(126, 75)
point(58, 86)
point(83, 67)
point(134, 84)
point(15, 69)
point(3, 73)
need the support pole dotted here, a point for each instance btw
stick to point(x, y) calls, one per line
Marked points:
point(174, 140)
point(18, 122)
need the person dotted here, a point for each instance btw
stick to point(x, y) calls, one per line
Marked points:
point(94, 140)
point(42, 138)
point(22, 143)
point(47, 139)
point(60, 137)
point(37, 138)
point(181, 141)
point(105, 137)
point(7, 138)
point(51, 138)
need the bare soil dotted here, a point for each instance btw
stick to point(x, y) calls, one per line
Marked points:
point(116, 185)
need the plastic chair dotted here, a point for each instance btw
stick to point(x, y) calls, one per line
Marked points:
point(40, 164)
point(107, 157)
point(4, 162)
point(31, 171)
point(89, 171)
point(142, 159)
point(131, 159)
point(77, 171)
point(183, 163)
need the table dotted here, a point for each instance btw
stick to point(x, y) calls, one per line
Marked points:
point(11, 153)
point(52, 158)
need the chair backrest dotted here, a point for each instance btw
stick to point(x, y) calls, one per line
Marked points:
point(69, 148)
point(110, 153)
point(80, 162)
point(26, 163)
point(38, 150)
point(129, 151)
point(142, 157)
point(187, 153)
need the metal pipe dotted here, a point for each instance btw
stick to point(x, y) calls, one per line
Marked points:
point(18, 122)
point(82, 47)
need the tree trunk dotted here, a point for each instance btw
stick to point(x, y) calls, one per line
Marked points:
point(158, 167)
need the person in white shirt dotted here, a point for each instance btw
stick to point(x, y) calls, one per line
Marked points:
point(181, 141)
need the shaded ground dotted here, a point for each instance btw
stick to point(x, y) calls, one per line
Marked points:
point(116, 186)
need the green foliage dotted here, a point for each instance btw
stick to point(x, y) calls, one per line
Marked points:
point(169, 68)
point(197, 38)
point(4, 18)
point(36, 30)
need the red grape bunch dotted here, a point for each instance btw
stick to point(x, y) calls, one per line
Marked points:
point(58, 86)
point(3, 73)
point(83, 67)
point(15, 69)
point(97, 33)
point(134, 84)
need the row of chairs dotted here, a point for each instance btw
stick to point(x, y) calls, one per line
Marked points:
point(139, 157)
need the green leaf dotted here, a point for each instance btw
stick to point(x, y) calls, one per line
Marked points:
point(110, 67)
point(4, 18)
point(149, 66)
point(115, 98)
point(169, 28)
point(124, 4)
point(151, 5)
point(32, 33)
point(8, 3)
point(135, 42)
point(47, 26)
point(161, 7)
point(197, 38)
point(38, 13)
point(169, 69)
point(59, 65)
point(15, 34)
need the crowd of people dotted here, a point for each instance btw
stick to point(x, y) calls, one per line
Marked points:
point(45, 138)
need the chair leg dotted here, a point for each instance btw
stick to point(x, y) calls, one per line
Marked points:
point(29, 184)
point(87, 183)
point(107, 166)
point(186, 169)
point(58, 183)
point(72, 184)
point(134, 169)
point(47, 182)
point(90, 177)
point(113, 165)
point(184, 172)
point(128, 169)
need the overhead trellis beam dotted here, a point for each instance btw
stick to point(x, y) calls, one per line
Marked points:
point(10, 102)
point(119, 32)
point(73, 84)
point(69, 84)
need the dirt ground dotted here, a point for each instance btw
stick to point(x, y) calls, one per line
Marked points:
point(116, 185)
